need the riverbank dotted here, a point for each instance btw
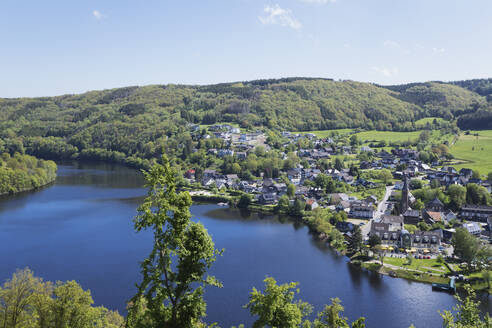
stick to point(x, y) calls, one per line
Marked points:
point(318, 222)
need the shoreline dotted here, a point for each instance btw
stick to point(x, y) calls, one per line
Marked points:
point(401, 273)
point(27, 190)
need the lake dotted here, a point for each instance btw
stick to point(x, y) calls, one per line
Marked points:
point(80, 228)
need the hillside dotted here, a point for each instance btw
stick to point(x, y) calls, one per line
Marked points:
point(439, 99)
point(134, 124)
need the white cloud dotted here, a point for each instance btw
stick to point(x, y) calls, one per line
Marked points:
point(98, 15)
point(386, 71)
point(438, 50)
point(320, 2)
point(391, 44)
point(277, 15)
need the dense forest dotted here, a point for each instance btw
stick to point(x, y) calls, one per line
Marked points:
point(132, 125)
point(23, 172)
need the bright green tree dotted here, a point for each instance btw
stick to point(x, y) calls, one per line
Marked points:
point(466, 246)
point(275, 307)
point(466, 313)
point(173, 274)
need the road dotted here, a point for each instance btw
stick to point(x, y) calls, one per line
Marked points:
point(382, 206)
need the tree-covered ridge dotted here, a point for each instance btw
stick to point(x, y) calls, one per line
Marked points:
point(132, 125)
point(23, 172)
point(481, 86)
point(439, 99)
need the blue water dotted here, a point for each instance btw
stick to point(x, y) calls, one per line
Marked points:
point(81, 228)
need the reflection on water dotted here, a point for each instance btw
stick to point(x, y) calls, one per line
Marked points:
point(81, 228)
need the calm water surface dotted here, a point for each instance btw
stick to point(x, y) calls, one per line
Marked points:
point(81, 228)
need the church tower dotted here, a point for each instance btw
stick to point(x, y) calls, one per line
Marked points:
point(404, 203)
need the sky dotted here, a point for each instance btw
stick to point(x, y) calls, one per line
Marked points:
point(56, 47)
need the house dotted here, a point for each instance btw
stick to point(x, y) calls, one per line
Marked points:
point(449, 169)
point(411, 216)
point(478, 213)
point(466, 173)
point(449, 215)
point(343, 205)
point(371, 199)
point(221, 183)
point(426, 239)
point(231, 177)
point(395, 222)
point(432, 217)
point(225, 152)
point(280, 188)
point(383, 231)
point(337, 198)
point(268, 198)
point(344, 226)
point(241, 155)
point(363, 210)
point(435, 205)
point(208, 181)
point(209, 173)
point(473, 228)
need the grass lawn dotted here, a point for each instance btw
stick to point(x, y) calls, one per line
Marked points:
point(378, 192)
point(474, 151)
point(327, 133)
point(423, 121)
point(391, 136)
point(421, 265)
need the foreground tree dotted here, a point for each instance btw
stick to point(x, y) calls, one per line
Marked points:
point(466, 313)
point(28, 301)
point(171, 293)
point(277, 307)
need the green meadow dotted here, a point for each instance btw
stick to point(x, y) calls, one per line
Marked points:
point(328, 133)
point(474, 152)
point(423, 121)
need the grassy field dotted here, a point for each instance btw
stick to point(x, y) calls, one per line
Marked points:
point(390, 136)
point(421, 265)
point(474, 152)
point(423, 121)
point(327, 133)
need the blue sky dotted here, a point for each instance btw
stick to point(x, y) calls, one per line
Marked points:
point(55, 47)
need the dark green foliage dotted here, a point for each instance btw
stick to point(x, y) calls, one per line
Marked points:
point(244, 201)
point(374, 240)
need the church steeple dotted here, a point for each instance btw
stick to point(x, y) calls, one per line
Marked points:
point(405, 203)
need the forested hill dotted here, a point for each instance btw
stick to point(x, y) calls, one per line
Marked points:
point(134, 123)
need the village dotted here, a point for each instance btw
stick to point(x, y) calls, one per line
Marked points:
point(383, 208)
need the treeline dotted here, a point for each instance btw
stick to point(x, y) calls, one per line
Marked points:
point(479, 120)
point(27, 301)
point(23, 172)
